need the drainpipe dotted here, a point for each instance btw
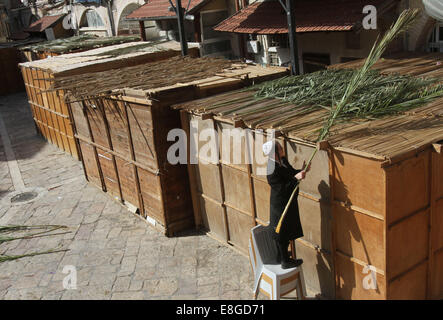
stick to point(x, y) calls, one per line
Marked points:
point(111, 17)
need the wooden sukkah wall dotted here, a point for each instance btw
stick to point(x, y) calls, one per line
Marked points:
point(51, 113)
point(123, 134)
point(372, 205)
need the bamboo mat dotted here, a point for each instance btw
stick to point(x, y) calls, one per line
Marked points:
point(158, 75)
point(68, 62)
point(387, 137)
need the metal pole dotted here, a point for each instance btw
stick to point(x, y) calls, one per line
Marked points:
point(111, 17)
point(292, 37)
point(181, 27)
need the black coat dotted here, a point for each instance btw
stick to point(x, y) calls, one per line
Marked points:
point(282, 181)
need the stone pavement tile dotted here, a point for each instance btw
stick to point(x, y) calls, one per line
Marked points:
point(24, 294)
point(90, 292)
point(161, 287)
point(187, 286)
point(127, 265)
point(128, 295)
point(209, 290)
point(136, 284)
point(121, 284)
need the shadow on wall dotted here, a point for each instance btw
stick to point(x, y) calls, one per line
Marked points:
point(347, 278)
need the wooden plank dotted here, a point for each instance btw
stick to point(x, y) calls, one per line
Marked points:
point(134, 167)
point(114, 163)
point(317, 270)
point(410, 286)
point(353, 278)
point(185, 120)
point(359, 182)
point(408, 187)
point(408, 243)
point(360, 236)
point(103, 185)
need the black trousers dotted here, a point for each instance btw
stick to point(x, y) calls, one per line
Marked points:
point(276, 247)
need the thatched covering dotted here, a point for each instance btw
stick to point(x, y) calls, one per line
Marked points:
point(384, 137)
point(83, 42)
point(86, 60)
point(150, 76)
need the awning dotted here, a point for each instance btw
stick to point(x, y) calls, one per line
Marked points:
point(434, 8)
point(44, 23)
point(269, 17)
point(160, 9)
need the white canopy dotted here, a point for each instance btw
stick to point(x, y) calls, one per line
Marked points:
point(434, 8)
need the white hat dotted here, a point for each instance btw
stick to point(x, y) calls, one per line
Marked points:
point(268, 147)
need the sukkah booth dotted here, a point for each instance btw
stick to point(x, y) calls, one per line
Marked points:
point(122, 121)
point(371, 207)
point(51, 114)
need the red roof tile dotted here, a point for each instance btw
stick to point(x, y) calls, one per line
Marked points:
point(156, 9)
point(269, 17)
point(43, 23)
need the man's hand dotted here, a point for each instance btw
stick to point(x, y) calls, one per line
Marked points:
point(301, 175)
point(304, 167)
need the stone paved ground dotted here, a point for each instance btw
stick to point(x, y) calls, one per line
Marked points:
point(115, 253)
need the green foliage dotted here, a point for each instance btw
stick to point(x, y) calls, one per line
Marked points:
point(377, 95)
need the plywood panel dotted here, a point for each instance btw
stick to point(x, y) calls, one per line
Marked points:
point(439, 174)
point(208, 180)
point(437, 227)
point(140, 122)
point(437, 284)
point(360, 236)
point(317, 270)
point(96, 122)
point(408, 187)
point(410, 286)
point(127, 181)
point(90, 164)
point(233, 147)
point(360, 182)
point(262, 192)
point(109, 172)
point(354, 281)
point(317, 180)
point(407, 243)
point(236, 189)
point(315, 218)
point(212, 214)
point(239, 224)
point(151, 191)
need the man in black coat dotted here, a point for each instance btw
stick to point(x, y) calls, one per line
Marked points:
point(283, 179)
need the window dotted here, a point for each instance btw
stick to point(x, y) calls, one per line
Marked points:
point(274, 59)
point(279, 40)
point(91, 19)
point(435, 43)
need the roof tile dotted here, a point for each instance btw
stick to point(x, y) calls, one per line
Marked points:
point(269, 17)
point(155, 9)
point(43, 23)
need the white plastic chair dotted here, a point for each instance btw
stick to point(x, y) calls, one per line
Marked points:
point(270, 279)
